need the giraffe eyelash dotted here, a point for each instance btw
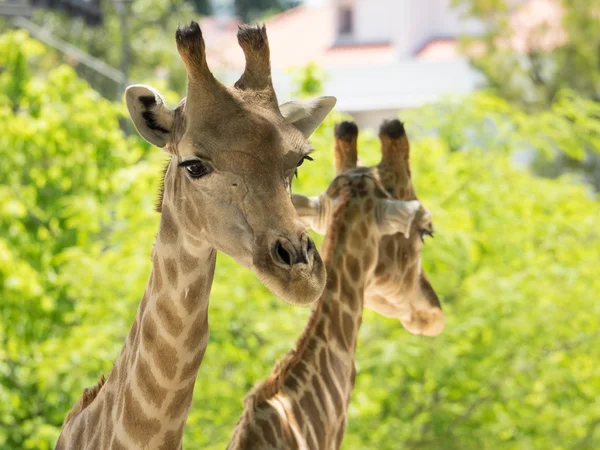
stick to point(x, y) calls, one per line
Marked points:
point(304, 158)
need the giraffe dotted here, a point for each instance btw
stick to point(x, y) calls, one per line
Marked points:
point(233, 153)
point(304, 402)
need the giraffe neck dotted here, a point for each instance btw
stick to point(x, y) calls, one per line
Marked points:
point(335, 320)
point(146, 399)
point(304, 403)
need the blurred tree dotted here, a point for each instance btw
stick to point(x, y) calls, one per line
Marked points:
point(308, 81)
point(532, 51)
point(515, 260)
point(151, 29)
point(203, 7)
point(90, 11)
point(252, 10)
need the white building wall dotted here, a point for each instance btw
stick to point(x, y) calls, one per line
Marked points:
point(373, 23)
point(407, 24)
point(451, 24)
point(423, 21)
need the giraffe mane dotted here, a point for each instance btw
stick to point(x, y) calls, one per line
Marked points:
point(161, 189)
point(269, 387)
point(88, 396)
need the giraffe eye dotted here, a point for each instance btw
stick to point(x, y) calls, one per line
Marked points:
point(425, 232)
point(195, 168)
point(304, 158)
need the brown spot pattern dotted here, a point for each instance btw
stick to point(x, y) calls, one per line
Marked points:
point(348, 326)
point(191, 368)
point(335, 330)
point(137, 424)
point(268, 433)
point(116, 445)
point(319, 393)
point(167, 312)
point(172, 440)
point(168, 228)
point(181, 401)
point(298, 415)
point(291, 383)
point(327, 376)
point(133, 331)
point(364, 230)
point(152, 391)
point(171, 269)
point(156, 277)
point(312, 411)
point(198, 336)
point(107, 415)
point(353, 267)
point(163, 354)
point(191, 299)
point(187, 261)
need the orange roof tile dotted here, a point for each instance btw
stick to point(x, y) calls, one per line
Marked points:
point(296, 37)
point(439, 49)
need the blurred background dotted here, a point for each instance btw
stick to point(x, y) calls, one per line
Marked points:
point(501, 100)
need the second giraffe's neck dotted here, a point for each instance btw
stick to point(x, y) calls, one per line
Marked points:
point(307, 395)
point(146, 399)
point(336, 317)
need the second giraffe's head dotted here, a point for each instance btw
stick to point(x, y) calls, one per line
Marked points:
point(382, 227)
point(234, 152)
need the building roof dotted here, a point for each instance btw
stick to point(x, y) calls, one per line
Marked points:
point(404, 84)
point(368, 77)
point(439, 49)
point(296, 37)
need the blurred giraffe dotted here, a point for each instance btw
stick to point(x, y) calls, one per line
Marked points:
point(233, 154)
point(371, 251)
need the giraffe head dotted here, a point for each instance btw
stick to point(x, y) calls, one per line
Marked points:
point(234, 152)
point(392, 228)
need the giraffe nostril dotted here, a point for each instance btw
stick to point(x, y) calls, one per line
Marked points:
point(308, 250)
point(310, 245)
point(282, 254)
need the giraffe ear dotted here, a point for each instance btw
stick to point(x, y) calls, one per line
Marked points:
point(307, 115)
point(310, 211)
point(396, 216)
point(152, 119)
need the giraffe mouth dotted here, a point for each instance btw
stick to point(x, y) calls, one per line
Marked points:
point(296, 274)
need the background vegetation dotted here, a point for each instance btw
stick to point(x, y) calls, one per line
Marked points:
point(515, 261)
point(530, 60)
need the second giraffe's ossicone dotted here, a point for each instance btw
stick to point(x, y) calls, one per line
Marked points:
point(372, 252)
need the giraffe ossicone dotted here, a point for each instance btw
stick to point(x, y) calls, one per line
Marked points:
point(372, 253)
point(226, 187)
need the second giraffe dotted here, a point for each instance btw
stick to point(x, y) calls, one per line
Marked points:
point(374, 234)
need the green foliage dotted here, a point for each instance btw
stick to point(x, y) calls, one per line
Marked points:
point(61, 152)
point(203, 6)
point(569, 128)
point(545, 64)
point(308, 81)
point(252, 10)
point(530, 60)
point(515, 261)
point(150, 33)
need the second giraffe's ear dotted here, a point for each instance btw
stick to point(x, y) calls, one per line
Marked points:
point(307, 115)
point(396, 216)
point(152, 119)
point(311, 211)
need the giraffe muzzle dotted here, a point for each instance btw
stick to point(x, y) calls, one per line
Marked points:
point(287, 254)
